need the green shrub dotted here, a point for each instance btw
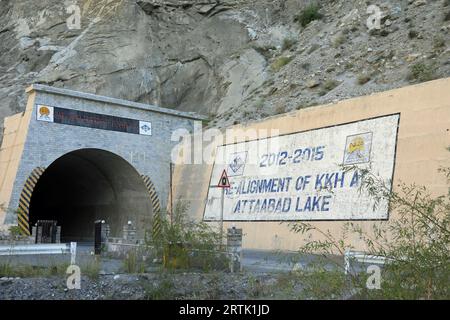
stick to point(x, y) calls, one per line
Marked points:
point(422, 72)
point(280, 63)
point(280, 109)
point(256, 289)
point(339, 40)
point(132, 263)
point(320, 283)
point(288, 43)
point(328, 86)
point(164, 290)
point(349, 65)
point(413, 34)
point(415, 241)
point(363, 79)
point(15, 231)
point(214, 287)
point(447, 16)
point(438, 42)
point(7, 270)
point(305, 66)
point(259, 104)
point(30, 271)
point(310, 13)
point(91, 268)
point(184, 243)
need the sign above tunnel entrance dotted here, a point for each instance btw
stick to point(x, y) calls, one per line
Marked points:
point(92, 120)
point(305, 175)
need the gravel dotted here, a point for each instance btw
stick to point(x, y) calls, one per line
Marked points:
point(137, 287)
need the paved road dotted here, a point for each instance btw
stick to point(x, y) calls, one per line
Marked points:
point(270, 261)
point(258, 261)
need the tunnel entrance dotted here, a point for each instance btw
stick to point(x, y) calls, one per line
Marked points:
point(90, 184)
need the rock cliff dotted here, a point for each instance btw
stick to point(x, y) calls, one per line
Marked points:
point(233, 60)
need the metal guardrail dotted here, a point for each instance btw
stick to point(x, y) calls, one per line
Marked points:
point(36, 249)
point(362, 257)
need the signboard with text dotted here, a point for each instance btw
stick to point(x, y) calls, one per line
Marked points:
point(304, 175)
point(92, 120)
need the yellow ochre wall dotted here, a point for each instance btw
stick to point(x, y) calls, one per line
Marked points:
point(423, 139)
point(13, 141)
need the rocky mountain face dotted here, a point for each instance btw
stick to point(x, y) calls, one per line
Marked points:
point(234, 60)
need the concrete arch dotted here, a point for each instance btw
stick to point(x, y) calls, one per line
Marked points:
point(85, 185)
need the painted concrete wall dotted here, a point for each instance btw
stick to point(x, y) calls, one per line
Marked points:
point(423, 139)
point(29, 143)
point(14, 137)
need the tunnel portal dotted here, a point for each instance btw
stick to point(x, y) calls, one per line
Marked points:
point(76, 157)
point(86, 185)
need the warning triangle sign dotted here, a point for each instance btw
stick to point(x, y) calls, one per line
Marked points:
point(224, 182)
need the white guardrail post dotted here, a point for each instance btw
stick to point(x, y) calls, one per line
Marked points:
point(73, 252)
point(347, 262)
point(361, 257)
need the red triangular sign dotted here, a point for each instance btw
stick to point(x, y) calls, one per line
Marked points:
point(224, 182)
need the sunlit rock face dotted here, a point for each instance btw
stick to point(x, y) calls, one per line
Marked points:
point(170, 55)
point(233, 60)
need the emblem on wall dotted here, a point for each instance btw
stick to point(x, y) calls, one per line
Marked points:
point(357, 148)
point(44, 113)
point(237, 164)
point(145, 128)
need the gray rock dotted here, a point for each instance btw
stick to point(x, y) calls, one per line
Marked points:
point(419, 3)
point(208, 56)
point(312, 83)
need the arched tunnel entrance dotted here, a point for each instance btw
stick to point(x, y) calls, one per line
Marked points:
point(90, 184)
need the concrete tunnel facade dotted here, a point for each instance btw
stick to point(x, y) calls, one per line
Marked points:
point(76, 157)
point(49, 154)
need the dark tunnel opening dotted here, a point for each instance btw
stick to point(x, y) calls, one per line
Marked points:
point(87, 185)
